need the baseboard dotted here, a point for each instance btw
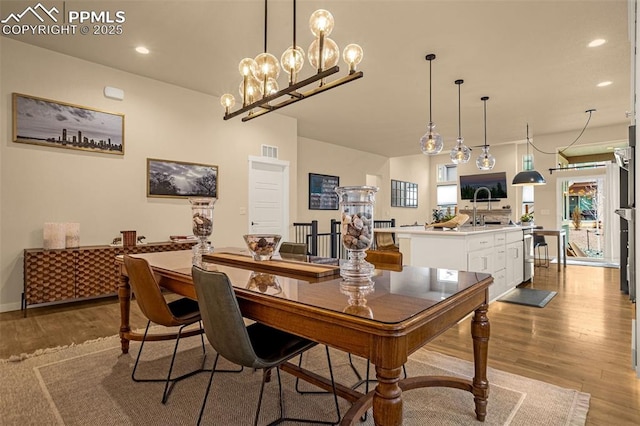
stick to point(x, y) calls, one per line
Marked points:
point(8, 307)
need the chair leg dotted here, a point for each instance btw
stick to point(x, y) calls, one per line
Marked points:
point(206, 393)
point(168, 381)
point(167, 389)
point(282, 418)
point(135, 366)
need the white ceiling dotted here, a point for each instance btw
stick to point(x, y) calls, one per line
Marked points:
point(529, 56)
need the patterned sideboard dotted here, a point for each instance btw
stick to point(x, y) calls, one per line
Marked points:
point(65, 275)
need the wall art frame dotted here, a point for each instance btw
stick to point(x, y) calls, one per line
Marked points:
point(45, 122)
point(322, 194)
point(179, 179)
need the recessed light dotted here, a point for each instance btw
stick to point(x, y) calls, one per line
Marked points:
point(609, 147)
point(142, 49)
point(604, 83)
point(597, 42)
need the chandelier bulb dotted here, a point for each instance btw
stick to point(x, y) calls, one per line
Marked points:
point(292, 61)
point(250, 90)
point(330, 54)
point(265, 66)
point(321, 22)
point(246, 66)
point(352, 55)
point(227, 101)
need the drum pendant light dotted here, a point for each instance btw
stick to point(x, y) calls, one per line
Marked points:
point(528, 176)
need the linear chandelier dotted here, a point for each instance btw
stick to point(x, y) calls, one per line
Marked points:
point(259, 89)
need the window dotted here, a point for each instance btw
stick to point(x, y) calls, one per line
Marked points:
point(404, 194)
point(447, 173)
point(527, 198)
point(447, 187)
point(447, 195)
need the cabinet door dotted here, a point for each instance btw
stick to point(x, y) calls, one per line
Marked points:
point(49, 276)
point(499, 285)
point(481, 261)
point(96, 272)
point(515, 264)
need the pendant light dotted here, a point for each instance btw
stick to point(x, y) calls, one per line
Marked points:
point(460, 154)
point(528, 176)
point(431, 143)
point(485, 161)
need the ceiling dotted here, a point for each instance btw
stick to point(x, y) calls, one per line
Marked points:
point(529, 56)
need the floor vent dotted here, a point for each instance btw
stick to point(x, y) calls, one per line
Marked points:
point(269, 151)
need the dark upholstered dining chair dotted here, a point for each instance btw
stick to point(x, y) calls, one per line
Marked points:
point(255, 346)
point(182, 312)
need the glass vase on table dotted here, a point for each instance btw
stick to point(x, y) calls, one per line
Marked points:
point(356, 232)
point(202, 225)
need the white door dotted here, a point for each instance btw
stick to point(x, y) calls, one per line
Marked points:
point(269, 196)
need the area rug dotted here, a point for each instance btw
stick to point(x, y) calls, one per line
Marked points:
point(528, 297)
point(90, 384)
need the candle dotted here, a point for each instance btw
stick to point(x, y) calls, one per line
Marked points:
point(72, 235)
point(53, 236)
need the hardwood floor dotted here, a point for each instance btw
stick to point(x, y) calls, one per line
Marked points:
point(580, 340)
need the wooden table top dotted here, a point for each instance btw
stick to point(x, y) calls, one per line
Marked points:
point(394, 298)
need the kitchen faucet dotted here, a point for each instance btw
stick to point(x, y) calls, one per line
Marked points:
point(475, 202)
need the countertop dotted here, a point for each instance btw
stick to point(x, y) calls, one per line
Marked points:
point(462, 231)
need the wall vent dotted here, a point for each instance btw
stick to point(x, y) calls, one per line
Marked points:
point(269, 151)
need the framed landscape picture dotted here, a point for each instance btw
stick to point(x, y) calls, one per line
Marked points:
point(177, 179)
point(322, 195)
point(45, 122)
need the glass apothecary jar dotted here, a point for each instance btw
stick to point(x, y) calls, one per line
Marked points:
point(356, 232)
point(202, 226)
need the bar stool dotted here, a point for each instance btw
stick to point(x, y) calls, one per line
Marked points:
point(538, 243)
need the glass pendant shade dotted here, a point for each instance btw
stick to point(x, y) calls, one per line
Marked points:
point(352, 56)
point(266, 66)
point(253, 90)
point(321, 22)
point(271, 87)
point(246, 66)
point(431, 143)
point(485, 161)
point(292, 60)
point(330, 54)
point(460, 153)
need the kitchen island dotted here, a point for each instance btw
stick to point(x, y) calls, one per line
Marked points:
point(494, 249)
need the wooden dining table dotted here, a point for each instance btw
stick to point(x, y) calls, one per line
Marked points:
point(399, 313)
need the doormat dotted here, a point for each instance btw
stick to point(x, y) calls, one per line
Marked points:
point(529, 297)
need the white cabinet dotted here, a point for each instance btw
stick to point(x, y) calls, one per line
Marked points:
point(515, 263)
point(480, 261)
point(497, 252)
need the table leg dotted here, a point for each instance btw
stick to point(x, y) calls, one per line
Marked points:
point(387, 399)
point(124, 297)
point(564, 248)
point(480, 331)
